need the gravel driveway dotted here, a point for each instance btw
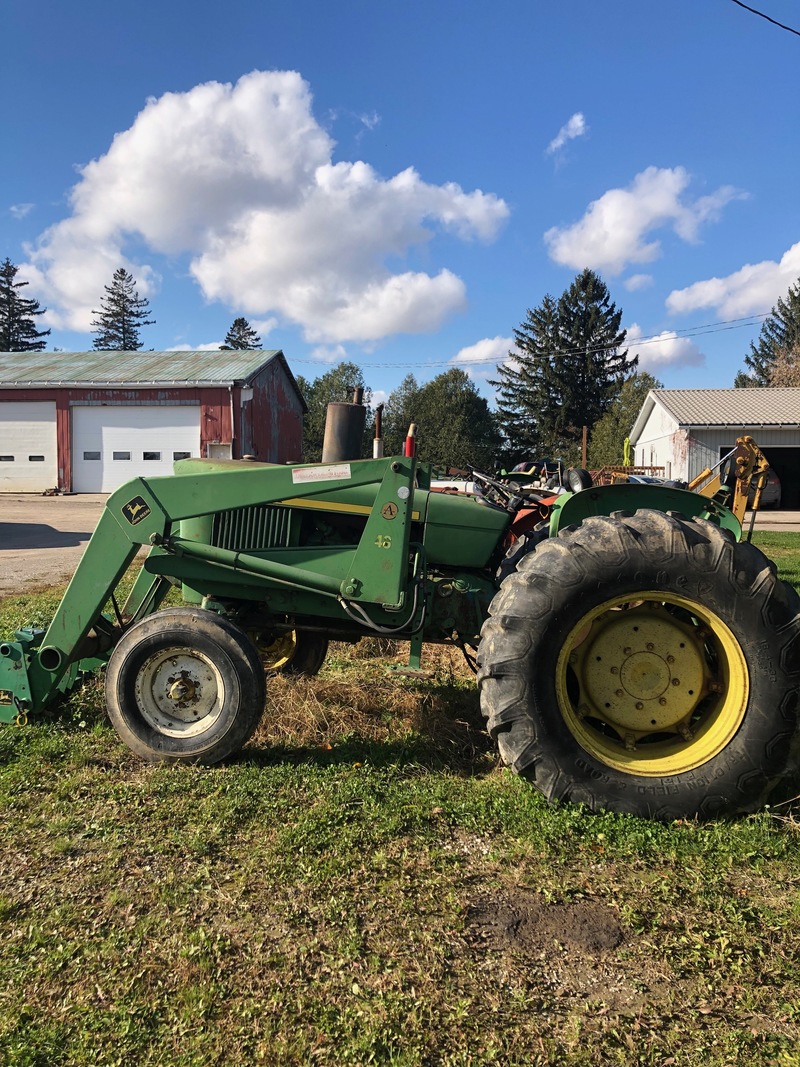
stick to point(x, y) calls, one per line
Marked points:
point(42, 538)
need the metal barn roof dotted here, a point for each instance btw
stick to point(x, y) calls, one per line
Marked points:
point(95, 368)
point(696, 408)
point(731, 407)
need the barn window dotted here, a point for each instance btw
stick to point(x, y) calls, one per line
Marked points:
point(181, 455)
point(91, 455)
point(6, 459)
point(151, 455)
point(122, 455)
point(35, 459)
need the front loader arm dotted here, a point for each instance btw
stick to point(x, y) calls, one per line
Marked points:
point(78, 630)
point(143, 513)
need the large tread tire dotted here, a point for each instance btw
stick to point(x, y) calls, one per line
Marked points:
point(571, 587)
point(528, 542)
point(185, 685)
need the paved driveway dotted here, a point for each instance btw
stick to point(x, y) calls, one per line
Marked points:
point(42, 538)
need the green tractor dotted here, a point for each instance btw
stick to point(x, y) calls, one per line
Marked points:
point(633, 653)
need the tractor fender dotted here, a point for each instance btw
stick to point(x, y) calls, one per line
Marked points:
point(570, 509)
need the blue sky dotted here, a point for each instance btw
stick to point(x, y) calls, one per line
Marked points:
point(396, 183)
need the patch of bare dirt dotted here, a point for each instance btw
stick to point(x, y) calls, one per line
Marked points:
point(533, 926)
point(576, 949)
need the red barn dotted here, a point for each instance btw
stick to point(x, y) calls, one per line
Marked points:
point(86, 422)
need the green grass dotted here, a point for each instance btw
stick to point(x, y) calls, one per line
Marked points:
point(365, 886)
point(784, 550)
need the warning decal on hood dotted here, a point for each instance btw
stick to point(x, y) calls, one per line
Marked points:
point(333, 472)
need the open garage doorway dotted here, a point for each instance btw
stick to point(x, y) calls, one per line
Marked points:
point(785, 461)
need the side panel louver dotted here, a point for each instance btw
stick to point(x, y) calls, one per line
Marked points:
point(249, 529)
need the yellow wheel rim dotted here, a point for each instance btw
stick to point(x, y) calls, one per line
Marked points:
point(652, 686)
point(280, 652)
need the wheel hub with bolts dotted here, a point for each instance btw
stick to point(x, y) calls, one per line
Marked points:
point(655, 685)
point(183, 689)
point(179, 691)
point(642, 671)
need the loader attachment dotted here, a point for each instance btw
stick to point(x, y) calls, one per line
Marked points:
point(154, 513)
point(40, 663)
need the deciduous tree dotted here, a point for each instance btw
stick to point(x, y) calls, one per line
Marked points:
point(607, 443)
point(455, 426)
point(786, 368)
point(335, 386)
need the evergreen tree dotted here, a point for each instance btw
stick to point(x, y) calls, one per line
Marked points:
point(335, 386)
point(454, 424)
point(569, 369)
point(18, 331)
point(607, 443)
point(780, 332)
point(241, 335)
point(529, 382)
point(122, 315)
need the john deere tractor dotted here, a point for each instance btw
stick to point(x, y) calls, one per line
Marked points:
point(633, 652)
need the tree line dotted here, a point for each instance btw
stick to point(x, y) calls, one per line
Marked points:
point(569, 375)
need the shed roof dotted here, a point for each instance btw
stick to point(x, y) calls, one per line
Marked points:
point(724, 407)
point(720, 407)
point(99, 368)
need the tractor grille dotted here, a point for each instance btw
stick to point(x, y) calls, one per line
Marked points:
point(249, 529)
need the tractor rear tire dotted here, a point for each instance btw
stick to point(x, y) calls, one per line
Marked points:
point(184, 685)
point(527, 542)
point(645, 663)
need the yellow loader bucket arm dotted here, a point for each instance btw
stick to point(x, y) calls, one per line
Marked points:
point(737, 472)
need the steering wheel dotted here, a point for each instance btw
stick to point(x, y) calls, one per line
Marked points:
point(493, 490)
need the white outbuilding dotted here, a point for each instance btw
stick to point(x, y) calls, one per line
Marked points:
point(686, 430)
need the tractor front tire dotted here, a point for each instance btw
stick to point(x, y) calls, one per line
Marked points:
point(645, 663)
point(184, 685)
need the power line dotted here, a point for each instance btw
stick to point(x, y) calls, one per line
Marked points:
point(761, 14)
point(651, 339)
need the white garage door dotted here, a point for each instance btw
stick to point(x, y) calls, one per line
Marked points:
point(113, 444)
point(28, 451)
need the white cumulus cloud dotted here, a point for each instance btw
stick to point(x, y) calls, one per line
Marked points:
point(617, 228)
point(264, 327)
point(665, 349)
point(209, 346)
point(482, 358)
point(241, 179)
point(574, 127)
point(329, 353)
point(752, 290)
point(637, 282)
